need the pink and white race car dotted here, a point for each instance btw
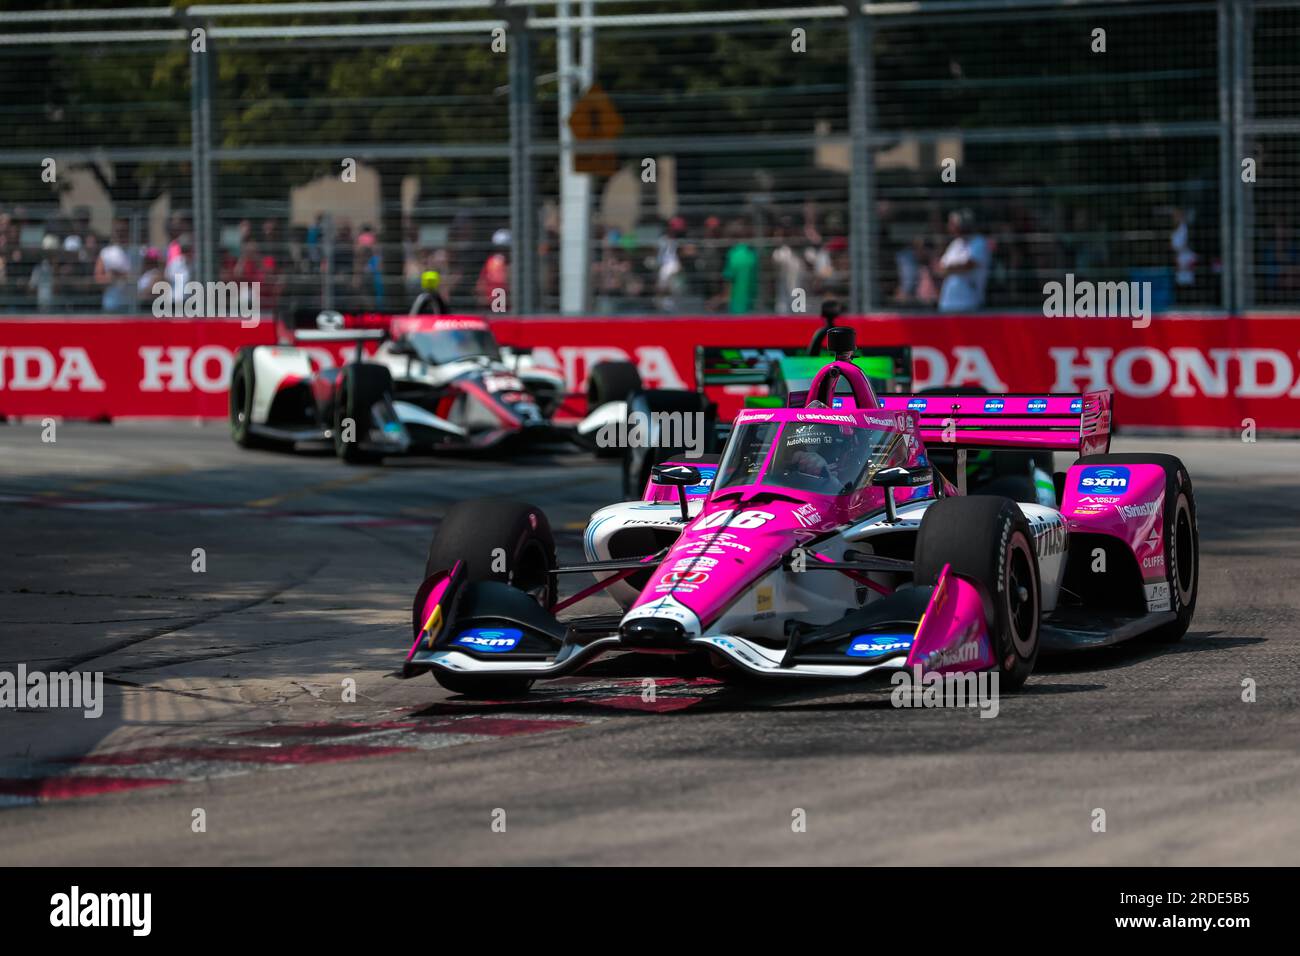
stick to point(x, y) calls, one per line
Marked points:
point(824, 544)
point(427, 384)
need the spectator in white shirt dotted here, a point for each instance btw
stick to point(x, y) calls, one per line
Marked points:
point(113, 272)
point(964, 265)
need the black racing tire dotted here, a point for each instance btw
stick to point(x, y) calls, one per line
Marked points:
point(989, 541)
point(1182, 539)
point(242, 384)
point(611, 382)
point(472, 532)
point(1058, 483)
point(639, 460)
point(482, 686)
point(1015, 487)
point(360, 386)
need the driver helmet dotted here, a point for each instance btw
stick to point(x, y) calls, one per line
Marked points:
point(430, 280)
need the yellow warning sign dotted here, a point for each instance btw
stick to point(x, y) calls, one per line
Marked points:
point(594, 118)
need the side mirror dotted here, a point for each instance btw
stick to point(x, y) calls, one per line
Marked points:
point(900, 477)
point(683, 476)
point(403, 347)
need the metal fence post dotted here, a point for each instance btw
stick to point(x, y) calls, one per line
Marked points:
point(201, 74)
point(523, 206)
point(1228, 238)
point(861, 211)
point(1242, 112)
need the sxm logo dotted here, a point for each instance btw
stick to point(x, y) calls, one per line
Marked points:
point(1104, 478)
point(493, 640)
point(706, 482)
point(872, 645)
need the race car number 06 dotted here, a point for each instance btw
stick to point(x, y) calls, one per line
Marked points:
point(745, 519)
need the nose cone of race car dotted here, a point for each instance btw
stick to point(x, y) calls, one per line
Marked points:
point(730, 545)
point(653, 632)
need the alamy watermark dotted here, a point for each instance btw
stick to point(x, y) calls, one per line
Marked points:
point(212, 300)
point(655, 430)
point(130, 910)
point(37, 690)
point(1108, 300)
point(953, 689)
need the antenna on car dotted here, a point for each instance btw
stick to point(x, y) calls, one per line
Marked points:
point(842, 341)
point(838, 338)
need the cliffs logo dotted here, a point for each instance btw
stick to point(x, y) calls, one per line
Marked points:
point(1104, 478)
point(994, 406)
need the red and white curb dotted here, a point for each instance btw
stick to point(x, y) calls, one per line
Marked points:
point(285, 746)
point(118, 505)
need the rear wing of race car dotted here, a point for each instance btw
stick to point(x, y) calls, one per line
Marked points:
point(888, 367)
point(328, 325)
point(312, 326)
point(1053, 422)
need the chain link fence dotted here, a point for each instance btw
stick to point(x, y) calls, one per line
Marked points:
point(635, 157)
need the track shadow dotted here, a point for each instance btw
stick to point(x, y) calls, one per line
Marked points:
point(1135, 652)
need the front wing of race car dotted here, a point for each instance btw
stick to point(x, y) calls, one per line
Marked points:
point(487, 628)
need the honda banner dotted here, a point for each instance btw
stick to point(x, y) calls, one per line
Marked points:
point(1178, 372)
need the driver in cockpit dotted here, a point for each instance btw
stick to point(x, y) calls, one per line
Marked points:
point(821, 457)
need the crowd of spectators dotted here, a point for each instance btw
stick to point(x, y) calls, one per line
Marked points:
point(777, 263)
point(737, 266)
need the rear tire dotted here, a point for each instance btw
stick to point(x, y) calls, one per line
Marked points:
point(989, 541)
point(360, 386)
point(497, 540)
point(1182, 539)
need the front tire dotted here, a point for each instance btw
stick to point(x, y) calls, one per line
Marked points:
point(360, 386)
point(640, 459)
point(611, 382)
point(505, 541)
point(242, 389)
point(988, 540)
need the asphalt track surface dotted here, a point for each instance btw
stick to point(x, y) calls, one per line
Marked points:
point(225, 692)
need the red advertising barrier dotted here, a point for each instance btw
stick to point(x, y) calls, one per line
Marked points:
point(1180, 372)
point(115, 368)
